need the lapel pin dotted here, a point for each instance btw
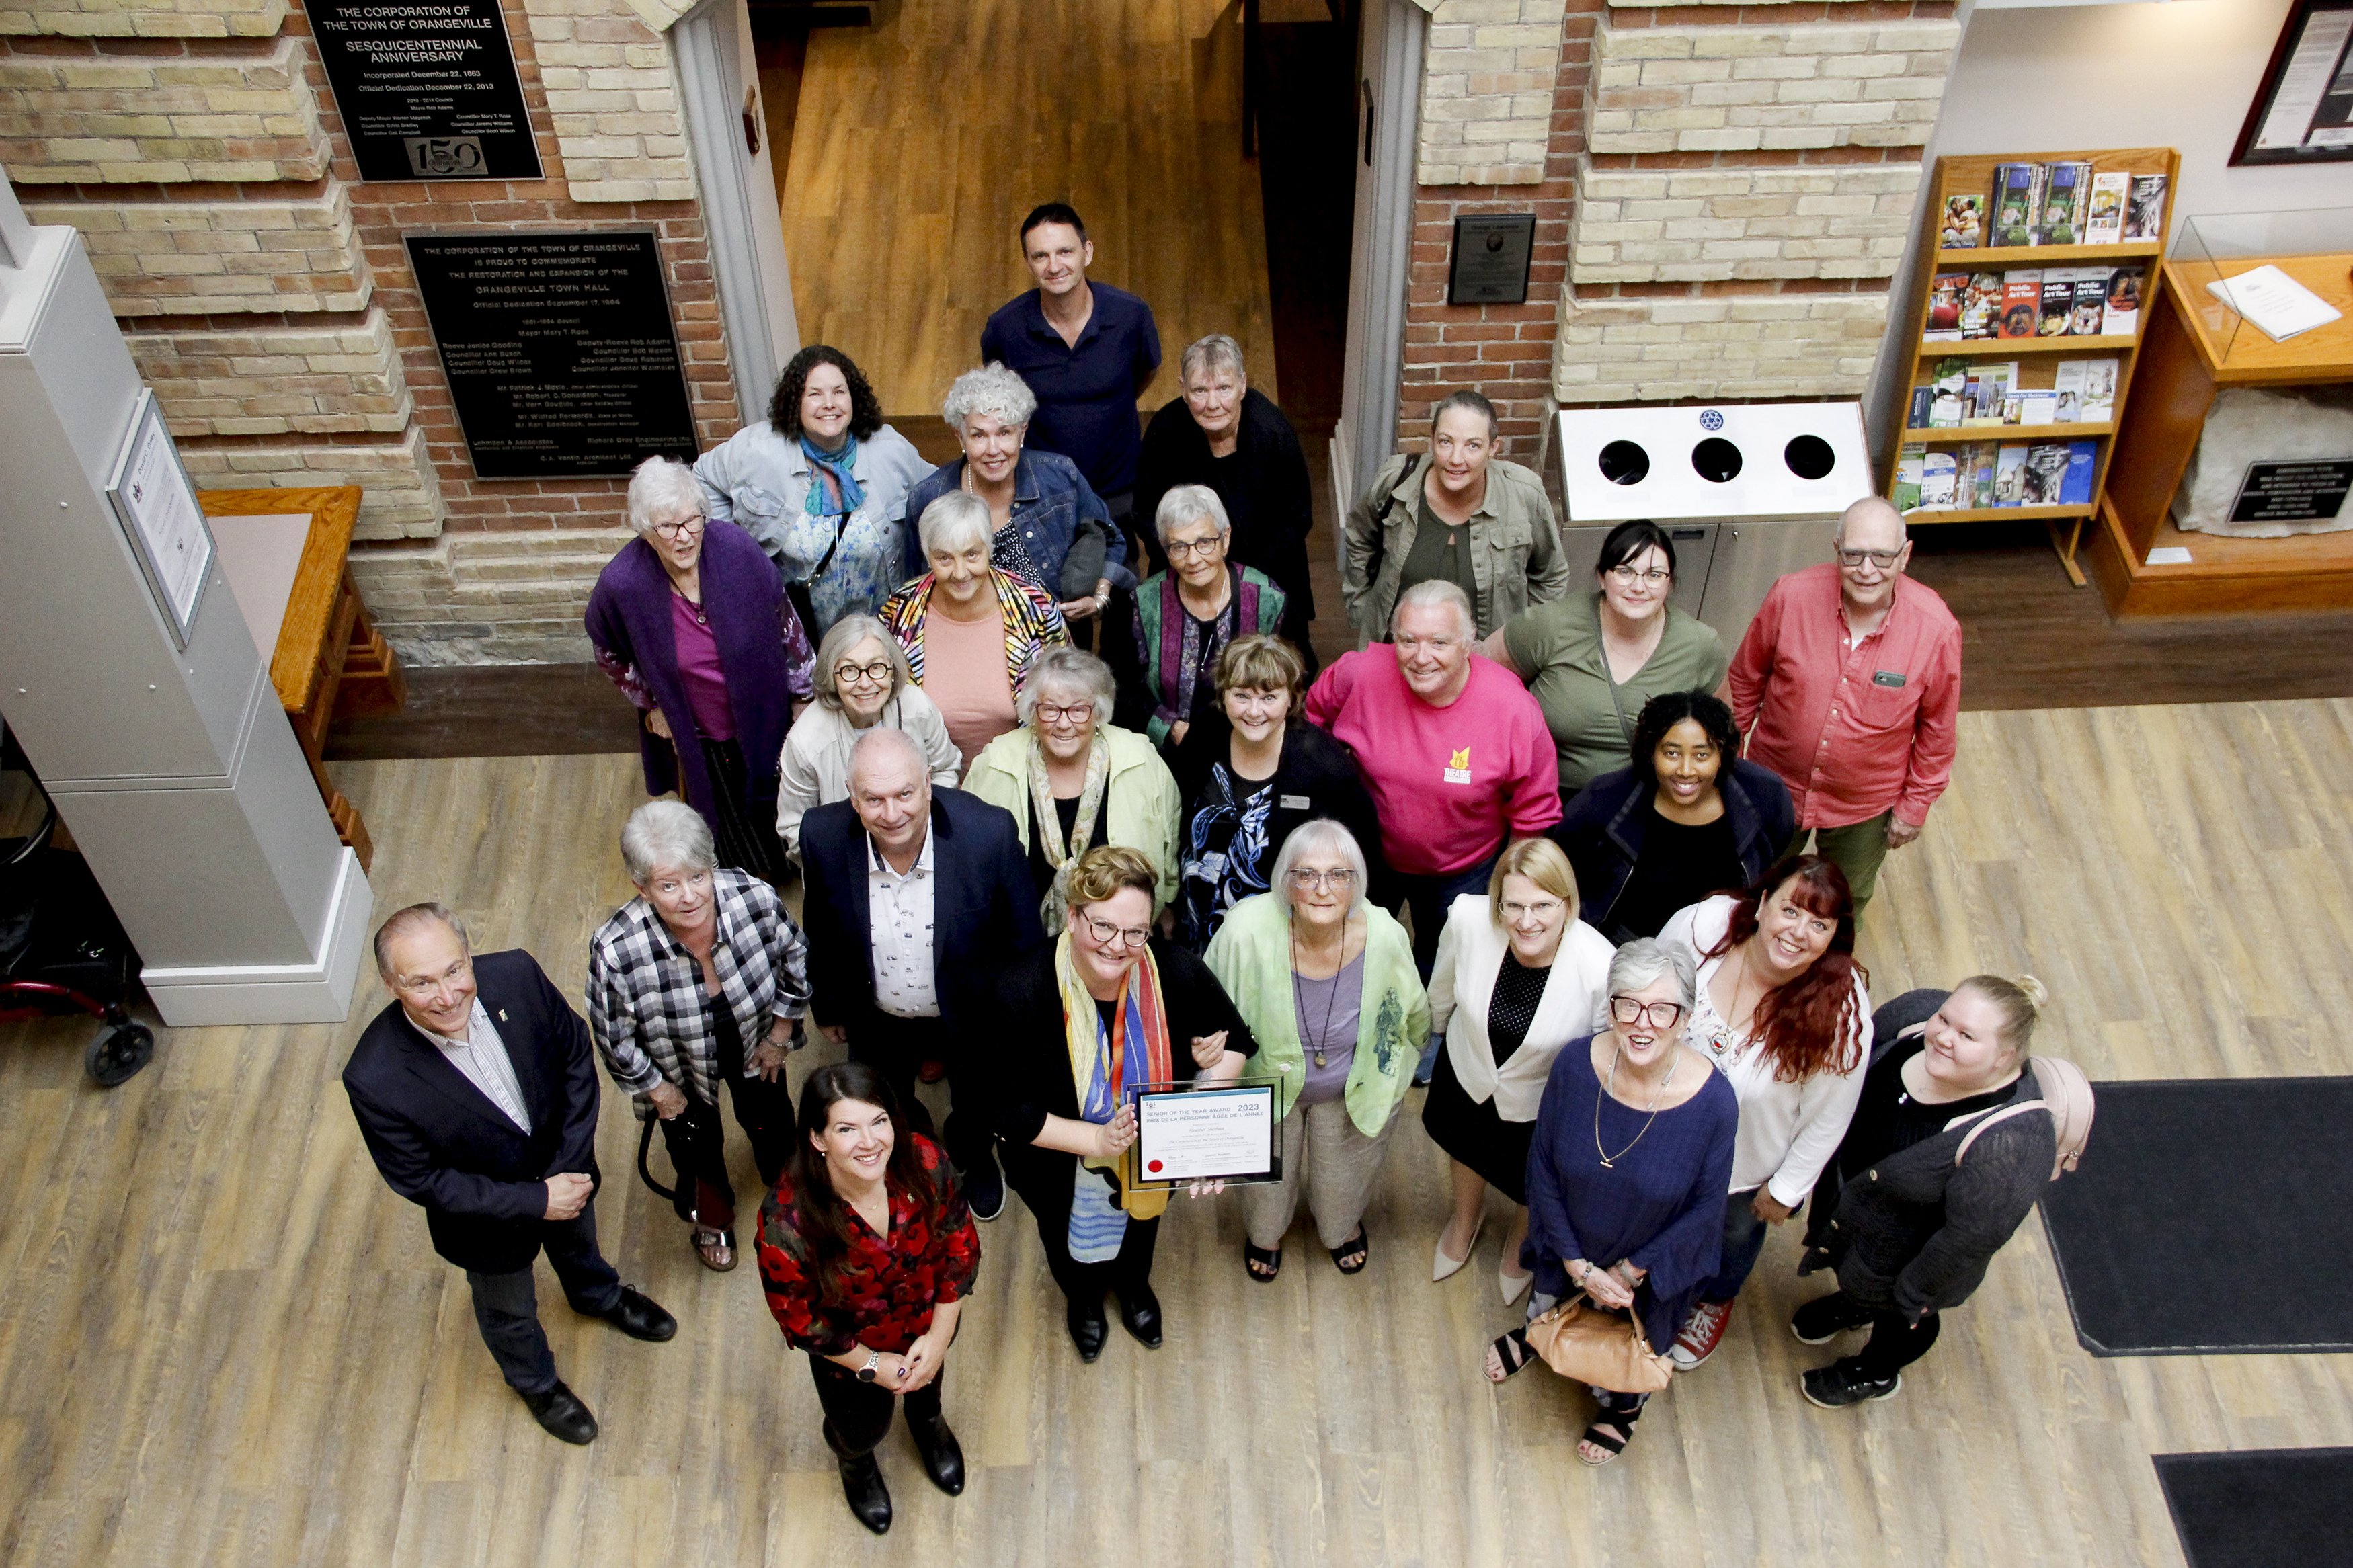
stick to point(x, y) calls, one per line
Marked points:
point(502, 1015)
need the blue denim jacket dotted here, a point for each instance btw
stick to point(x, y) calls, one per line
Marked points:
point(1052, 502)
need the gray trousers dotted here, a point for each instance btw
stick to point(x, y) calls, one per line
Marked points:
point(506, 1306)
point(1337, 1164)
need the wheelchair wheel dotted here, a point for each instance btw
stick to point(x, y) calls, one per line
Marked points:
point(117, 1053)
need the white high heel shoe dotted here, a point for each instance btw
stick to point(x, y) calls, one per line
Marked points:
point(1513, 1285)
point(1444, 1268)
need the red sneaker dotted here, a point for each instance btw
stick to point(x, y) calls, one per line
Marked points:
point(932, 1072)
point(1701, 1335)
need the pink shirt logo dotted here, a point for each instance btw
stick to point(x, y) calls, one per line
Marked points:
point(1458, 767)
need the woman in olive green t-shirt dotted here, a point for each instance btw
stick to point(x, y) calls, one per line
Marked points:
point(1591, 660)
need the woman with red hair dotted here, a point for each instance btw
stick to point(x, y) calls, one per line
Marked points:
point(1784, 1012)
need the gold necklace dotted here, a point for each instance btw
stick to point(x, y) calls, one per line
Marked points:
point(1609, 1088)
point(1331, 1003)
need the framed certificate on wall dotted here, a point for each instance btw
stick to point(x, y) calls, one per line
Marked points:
point(156, 504)
point(2303, 111)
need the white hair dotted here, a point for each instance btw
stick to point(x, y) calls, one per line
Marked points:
point(666, 835)
point(846, 633)
point(1063, 669)
point(1185, 505)
point(957, 521)
point(661, 487)
point(1642, 962)
point(1320, 835)
point(1439, 591)
point(992, 389)
point(1216, 351)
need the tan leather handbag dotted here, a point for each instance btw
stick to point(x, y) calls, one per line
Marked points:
point(1585, 1344)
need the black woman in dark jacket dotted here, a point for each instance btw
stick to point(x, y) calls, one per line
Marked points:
point(1249, 779)
point(1689, 818)
point(1908, 1224)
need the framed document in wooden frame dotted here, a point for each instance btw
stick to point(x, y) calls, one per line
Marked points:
point(2303, 113)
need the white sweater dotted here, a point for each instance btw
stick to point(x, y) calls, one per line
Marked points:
point(814, 769)
point(1787, 1131)
point(1471, 952)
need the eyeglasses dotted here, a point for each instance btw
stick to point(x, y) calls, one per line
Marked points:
point(876, 674)
point(1626, 576)
point(1542, 908)
point(1077, 714)
point(1309, 881)
point(1882, 559)
point(1184, 550)
point(1109, 935)
point(679, 529)
point(1657, 1015)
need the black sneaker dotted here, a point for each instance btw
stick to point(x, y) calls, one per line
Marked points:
point(1843, 1383)
point(984, 1185)
point(1825, 1318)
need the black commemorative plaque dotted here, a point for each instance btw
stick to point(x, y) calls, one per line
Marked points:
point(559, 349)
point(426, 92)
point(1490, 259)
point(2292, 493)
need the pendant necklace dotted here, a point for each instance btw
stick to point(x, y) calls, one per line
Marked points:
point(1331, 1003)
point(1609, 1160)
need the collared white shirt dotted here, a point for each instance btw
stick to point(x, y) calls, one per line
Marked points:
point(481, 1056)
point(898, 916)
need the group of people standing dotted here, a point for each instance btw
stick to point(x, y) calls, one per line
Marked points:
point(1541, 846)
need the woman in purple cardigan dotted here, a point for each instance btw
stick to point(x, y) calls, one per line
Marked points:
point(691, 623)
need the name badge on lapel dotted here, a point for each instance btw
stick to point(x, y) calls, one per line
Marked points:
point(1888, 678)
point(1297, 802)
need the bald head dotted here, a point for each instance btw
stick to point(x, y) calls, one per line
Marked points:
point(1872, 549)
point(890, 790)
point(1872, 523)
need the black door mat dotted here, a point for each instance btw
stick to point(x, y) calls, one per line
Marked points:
point(2211, 1216)
point(2267, 1508)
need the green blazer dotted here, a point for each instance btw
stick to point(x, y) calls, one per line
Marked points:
point(1250, 956)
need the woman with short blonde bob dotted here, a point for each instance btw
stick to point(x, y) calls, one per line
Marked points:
point(1325, 980)
point(863, 680)
point(1517, 978)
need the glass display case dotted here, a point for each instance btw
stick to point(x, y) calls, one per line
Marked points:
point(2314, 249)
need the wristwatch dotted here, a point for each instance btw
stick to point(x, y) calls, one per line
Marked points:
point(873, 1359)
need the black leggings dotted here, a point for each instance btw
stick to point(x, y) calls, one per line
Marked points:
point(1894, 1343)
point(858, 1415)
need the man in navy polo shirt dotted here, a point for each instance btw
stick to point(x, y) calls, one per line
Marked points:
point(1087, 350)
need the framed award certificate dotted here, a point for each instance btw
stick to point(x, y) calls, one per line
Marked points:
point(1205, 1132)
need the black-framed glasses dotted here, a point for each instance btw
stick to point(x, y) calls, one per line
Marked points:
point(1185, 549)
point(1651, 578)
point(1107, 934)
point(1655, 1014)
point(879, 673)
point(1882, 559)
point(679, 529)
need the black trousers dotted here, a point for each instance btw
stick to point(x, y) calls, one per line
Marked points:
point(1894, 1343)
point(858, 1415)
point(506, 1306)
point(1428, 898)
point(698, 1147)
point(897, 1049)
point(1046, 1195)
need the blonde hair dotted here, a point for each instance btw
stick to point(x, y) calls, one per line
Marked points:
point(2019, 1001)
point(1103, 871)
point(1261, 661)
point(1540, 860)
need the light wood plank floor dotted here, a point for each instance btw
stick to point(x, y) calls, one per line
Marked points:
point(919, 146)
point(224, 1342)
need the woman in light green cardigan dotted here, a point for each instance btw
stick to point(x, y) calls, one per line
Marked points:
point(1326, 982)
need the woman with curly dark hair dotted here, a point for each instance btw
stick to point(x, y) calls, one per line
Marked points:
point(1689, 818)
point(822, 484)
point(1784, 1012)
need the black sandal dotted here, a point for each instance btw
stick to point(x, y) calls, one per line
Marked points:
point(1514, 1352)
point(1262, 1263)
point(1351, 1255)
point(1610, 1446)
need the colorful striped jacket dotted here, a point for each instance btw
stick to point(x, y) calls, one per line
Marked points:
point(1033, 621)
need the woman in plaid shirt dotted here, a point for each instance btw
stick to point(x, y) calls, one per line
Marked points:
point(702, 963)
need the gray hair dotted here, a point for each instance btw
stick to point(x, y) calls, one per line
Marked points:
point(846, 633)
point(1644, 962)
point(956, 522)
point(660, 486)
point(400, 922)
point(1216, 351)
point(992, 389)
point(1185, 505)
point(666, 832)
point(1320, 835)
point(886, 737)
point(1065, 668)
point(1870, 506)
point(1439, 591)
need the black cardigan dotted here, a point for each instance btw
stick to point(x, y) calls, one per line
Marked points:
point(1914, 1232)
point(1314, 769)
point(1271, 511)
point(1602, 830)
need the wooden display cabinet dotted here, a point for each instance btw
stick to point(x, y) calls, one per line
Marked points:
point(2037, 357)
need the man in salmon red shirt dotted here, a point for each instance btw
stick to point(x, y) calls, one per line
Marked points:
point(1454, 751)
point(1849, 686)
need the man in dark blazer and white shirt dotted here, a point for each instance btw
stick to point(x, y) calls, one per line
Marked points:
point(475, 1090)
point(915, 899)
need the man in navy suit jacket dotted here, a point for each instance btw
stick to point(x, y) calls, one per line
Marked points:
point(475, 1090)
point(915, 899)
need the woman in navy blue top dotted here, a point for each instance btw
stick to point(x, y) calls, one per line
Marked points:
point(1629, 1161)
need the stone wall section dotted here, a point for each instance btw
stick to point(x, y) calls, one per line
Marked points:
point(1487, 91)
point(143, 18)
point(237, 256)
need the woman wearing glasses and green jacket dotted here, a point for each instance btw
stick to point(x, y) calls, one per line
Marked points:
point(863, 680)
point(1591, 660)
point(1326, 979)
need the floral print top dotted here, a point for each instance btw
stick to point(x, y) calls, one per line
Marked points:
point(889, 1285)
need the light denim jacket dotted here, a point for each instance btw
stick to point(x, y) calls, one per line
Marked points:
point(760, 480)
point(1064, 524)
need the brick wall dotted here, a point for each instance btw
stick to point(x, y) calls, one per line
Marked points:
point(267, 294)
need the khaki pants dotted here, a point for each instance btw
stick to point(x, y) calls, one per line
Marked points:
point(1858, 850)
point(1338, 1164)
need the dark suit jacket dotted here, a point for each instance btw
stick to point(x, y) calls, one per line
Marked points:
point(984, 906)
point(440, 1142)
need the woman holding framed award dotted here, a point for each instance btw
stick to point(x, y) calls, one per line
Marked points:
point(1107, 1008)
point(1326, 980)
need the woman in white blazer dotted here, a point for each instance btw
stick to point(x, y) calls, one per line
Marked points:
point(1517, 978)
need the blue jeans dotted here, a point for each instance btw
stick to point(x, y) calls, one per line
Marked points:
point(1743, 1241)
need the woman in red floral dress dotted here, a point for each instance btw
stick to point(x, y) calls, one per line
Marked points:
point(867, 1251)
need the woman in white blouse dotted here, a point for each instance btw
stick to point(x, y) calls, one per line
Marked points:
point(862, 681)
point(1784, 1011)
point(1517, 978)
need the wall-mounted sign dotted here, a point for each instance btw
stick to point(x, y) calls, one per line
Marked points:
point(1490, 259)
point(156, 503)
point(426, 92)
point(559, 349)
point(2303, 110)
point(2292, 493)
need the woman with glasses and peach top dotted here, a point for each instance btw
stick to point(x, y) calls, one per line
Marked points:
point(863, 680)
point(1591, 660)
point(1104, 1008)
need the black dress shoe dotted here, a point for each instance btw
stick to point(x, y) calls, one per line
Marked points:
point(1139, 1314)
point(639, 1318)
point(1088, 1329)
point(560, 1411)
point(942, 1454)
point(869, 1499)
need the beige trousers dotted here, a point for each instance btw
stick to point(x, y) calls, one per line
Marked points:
point(1337, 1164)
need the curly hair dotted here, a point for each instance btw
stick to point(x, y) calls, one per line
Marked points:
point(1669, 709)
point(1109, 870)
point(784, 408)
point(1814, 1024)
